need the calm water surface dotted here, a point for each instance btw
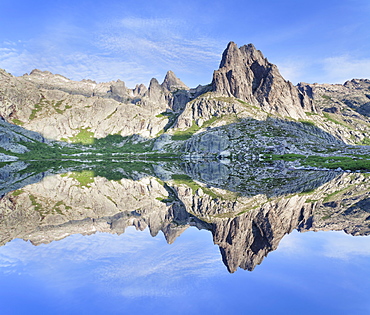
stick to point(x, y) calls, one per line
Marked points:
point(79, 244)
point(310, 273)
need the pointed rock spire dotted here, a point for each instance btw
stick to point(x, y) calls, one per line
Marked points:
point(231, 56)
point(246, 74)
point(172, 83)
point(140, 90)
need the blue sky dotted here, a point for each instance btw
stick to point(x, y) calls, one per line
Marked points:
point(310, 41)
point(310, 273)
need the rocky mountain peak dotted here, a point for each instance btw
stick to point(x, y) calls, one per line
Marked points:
point(154, 84)
point(252, 54)
point(245, 55)
point(246, 74)
point(155, 91)
point(140, 90)
point(37, 72)
point(231, 56)
point(172, 83)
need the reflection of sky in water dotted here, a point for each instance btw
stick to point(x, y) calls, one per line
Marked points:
point(310, 273)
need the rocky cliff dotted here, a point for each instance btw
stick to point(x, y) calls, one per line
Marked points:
point(344, 108)
point(246, 74)
point(12, 137)
point(60, 108)
point(245, 85)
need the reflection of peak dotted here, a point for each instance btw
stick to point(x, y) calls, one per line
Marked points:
point(246, 228)
point(247, 239)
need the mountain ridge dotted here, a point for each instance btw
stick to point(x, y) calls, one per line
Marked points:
point(245, 86)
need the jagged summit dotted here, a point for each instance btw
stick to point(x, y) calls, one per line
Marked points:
point(246, 74)
point(234, 55)
point(59, 107)
point(39, 72)
point(172, 83)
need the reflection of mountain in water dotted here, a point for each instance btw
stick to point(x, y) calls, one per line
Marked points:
point(247, 221)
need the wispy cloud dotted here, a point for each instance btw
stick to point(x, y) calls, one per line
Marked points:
point(334, 244)
point(337, 69)
point(131, 265)
point(131, 49)
point(292, 70)
point(344, 246)
point(341, 68)
point(170, 42)
point(76, 66)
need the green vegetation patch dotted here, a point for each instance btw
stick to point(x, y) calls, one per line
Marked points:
point(111, 114)
point(330, 118)
point(118, 143)
point(188, 181)
point(85, 136)
point(365, 141)
point(18, 122)
point(327, 97)
point(248, 105)
point(48, 105)
point(38, 206)
point(57, 208)
point(37, 108)
point(17, 192)
point(225, 99)
point(185, 134)
point(311, 113)
point(329, 197)
point(188, 133)
point(307, 122)
point(85, 178)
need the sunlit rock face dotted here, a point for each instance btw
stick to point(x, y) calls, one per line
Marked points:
point(246, 74)
point(245, 85)
point(246, 223)
point(58, 107)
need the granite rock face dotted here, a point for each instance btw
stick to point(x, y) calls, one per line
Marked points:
point(338, 98)
point(347, 105)
point(246, 74)
point(248, 138)
point(246, 85)
point(11, 136)
point(60, 108)
point(173, 83)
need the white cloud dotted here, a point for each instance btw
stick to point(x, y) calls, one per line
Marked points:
point(291, 70)
point(341, 68)
point(332, 70)
point(76, 66)
point(171, 43)
point(132, 49)
point(334, 244)
point(132, 265)
point(344, 246)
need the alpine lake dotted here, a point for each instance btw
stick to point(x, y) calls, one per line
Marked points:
point(166, 236)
